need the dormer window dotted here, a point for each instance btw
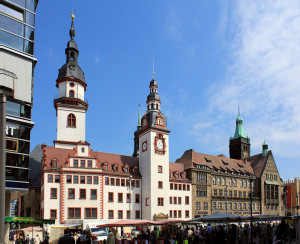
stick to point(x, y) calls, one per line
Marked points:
point(54, 164)
point(82, 149)
point(105, 166)
point(207, 160)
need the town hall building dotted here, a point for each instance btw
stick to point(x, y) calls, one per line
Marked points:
point(78, 183)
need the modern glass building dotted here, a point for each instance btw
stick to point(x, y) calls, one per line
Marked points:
point(17, 26)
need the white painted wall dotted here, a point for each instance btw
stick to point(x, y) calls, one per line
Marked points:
point(65, 133)
point(149, 162)
point(22, 67)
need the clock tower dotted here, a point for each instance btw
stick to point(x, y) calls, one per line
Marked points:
point(70, 104)
point(154, 158)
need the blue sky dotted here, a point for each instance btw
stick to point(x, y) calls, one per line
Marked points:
point(209, 56)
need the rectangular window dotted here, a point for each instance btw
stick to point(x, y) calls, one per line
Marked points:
point(187, 200)
point(128, 183)
point(90, 164)
point(133, 183)
point(175, 186)
point(82, 149)
point(198, 205)
point(179, 214)
point(179, 187)
point(93, 194)
point(117, 182)
point(106, 181)
point(71, 193)
point(137, 214)
point(235, 193)
point(82, 194)
point(75, 179)
point(201, 191)
point(201, 178)
point(112, 181)
point(171, 186)
point(90, 213)
point(147, 201)
point(110, 214)
point(53, 193)
point(160, 185)
point(214, 205)
point(220, 192)
point(53, 214)
point(128, 197)
point(240, 193)
point(122, 182)
point(137, 184)
point(230, 193)
point(183, 187)
point(50, 178)
point(74, 213)
point(110, 196)
point(175, 214)
point(187, 214)
point(160, 169)
point(244, 194)
point(175, 200)
point(179, 200)
point(160, 201)
point(57, 178)
point(120, 214)
point(82, 163)
point(170, 213)
point(215, 192)
point(187, 187)
point(205, 206)
point(89, 179)
point(137, 198)
point(128, 214)
point(120, 197)
point(75, 163)
point(96, 180)
point(69, 179)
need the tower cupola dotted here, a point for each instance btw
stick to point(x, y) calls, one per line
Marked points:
point(153, 99)
point(265, 148)
point(239, 144)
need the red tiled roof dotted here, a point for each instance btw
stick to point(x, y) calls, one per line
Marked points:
point(190, 158)
point(61, 156)
point(178, 168)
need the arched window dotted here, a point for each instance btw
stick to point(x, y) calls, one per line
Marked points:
point(71, 120)
point(71, 93)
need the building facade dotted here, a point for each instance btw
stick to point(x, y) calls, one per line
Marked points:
point(78, 183)
point(291, 196)
point(236, 184)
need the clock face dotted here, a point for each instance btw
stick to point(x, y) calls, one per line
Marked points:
point(160, 144)
point(144, 146)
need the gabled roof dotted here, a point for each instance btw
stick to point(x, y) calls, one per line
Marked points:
point(258, 163)
point(190, 158)
point(61, 155)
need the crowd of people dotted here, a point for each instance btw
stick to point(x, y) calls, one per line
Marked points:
point(262, 233)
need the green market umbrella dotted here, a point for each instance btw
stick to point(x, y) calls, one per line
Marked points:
point(28, 220)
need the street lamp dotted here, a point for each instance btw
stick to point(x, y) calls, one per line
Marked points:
point(251, 182)
point(226, 193)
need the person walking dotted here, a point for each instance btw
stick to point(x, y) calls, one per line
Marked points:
point(66, 239)
point(111, 237)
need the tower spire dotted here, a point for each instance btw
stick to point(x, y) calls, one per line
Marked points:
point(72, 30)
point(153, 69)
point(139, 117)
point(238, 110)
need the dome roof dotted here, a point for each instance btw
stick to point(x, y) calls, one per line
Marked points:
point(71, 69)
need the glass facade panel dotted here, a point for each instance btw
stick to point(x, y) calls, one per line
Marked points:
point(29, 18)
point(17, 109)
point(16, 174)
point(19, 2)
point(12, 11)
point(17, 160)
point(11, 25)
point(31, 5)
point(29, 33)
point(10, 40)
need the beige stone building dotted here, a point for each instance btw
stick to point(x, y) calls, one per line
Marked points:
point(221, 184)
point(291, 196)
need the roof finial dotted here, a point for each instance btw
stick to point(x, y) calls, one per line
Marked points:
point(139, 117)
point(72, 30)
point(238, 110)
point(153, 68)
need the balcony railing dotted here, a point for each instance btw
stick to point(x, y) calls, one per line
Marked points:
point(62, 95)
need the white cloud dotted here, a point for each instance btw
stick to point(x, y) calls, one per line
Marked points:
point(263, 76)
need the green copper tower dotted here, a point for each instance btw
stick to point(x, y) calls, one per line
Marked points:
point(239, 144)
